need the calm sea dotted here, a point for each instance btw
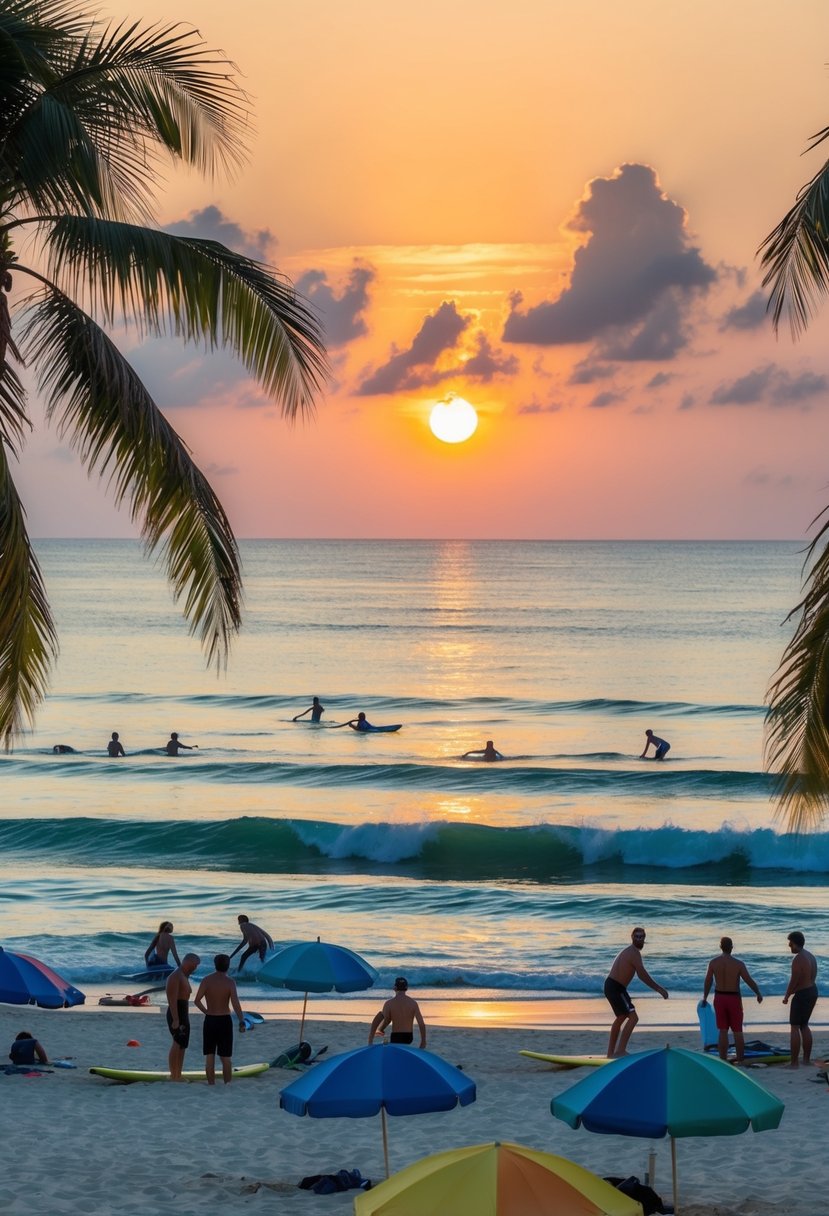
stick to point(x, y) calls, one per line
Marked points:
point(522, 877)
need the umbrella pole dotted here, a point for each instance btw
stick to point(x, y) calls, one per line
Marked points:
point(302, 1019)
point(673, 1170)
point(385, 1140)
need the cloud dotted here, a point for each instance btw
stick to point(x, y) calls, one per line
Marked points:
point(342, 315)
point(439, 332)
point(660, 379)
point(761, 477)
point(602, 400)
point(537, 407)
point(486, 363)
point(588, 371)
point(687, 402)
point(220, 470)
point(771, 383)
point(210, 224)
point(748, 316)
point(637, 259)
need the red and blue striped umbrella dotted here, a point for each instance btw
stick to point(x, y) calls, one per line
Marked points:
point(27, 981)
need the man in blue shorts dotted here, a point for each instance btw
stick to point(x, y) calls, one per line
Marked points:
point(627, 963)
point(662, 746)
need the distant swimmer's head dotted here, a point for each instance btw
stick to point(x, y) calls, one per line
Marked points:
point(726, 945)
point(401, 984)
point(166, 926)
point(221, 962)
point(174, 734)
point(115, 736)
point(649, 732)
point(361, 717)
point(316, 700)
point(489, 743)
point(242, 919)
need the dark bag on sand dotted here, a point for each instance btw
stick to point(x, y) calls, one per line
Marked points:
point(646, 1195)
point(330, 1184)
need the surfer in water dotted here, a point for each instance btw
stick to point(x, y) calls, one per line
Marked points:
point(63, 749)
point(174, 745)
point(255, 938)
point(316, 711)
point(162, 944)
point(662, 746)
point(489, 753)
point(115, 747)
point(361, 722)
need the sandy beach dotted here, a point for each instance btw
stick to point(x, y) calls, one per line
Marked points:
point(85, 1144)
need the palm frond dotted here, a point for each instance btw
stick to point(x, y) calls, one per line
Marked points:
point(13, 417)
point(28, 642)
point(795, 256)
point(797, 720)
point(105, 411)
point(200, 291)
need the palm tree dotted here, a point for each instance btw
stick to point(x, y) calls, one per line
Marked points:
point(87, 113)
point(795, 257)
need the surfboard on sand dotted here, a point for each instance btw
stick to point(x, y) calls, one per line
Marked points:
point(755, 1051)
point(128, 1075)
point(562, 1061)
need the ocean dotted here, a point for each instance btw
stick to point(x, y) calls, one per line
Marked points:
point(520, 879)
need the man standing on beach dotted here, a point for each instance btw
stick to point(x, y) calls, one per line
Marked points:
point(216, 994)
point(725, 972)
point(178, 1012)
point(400, 1012)
point(803, 992)
point(256, 940)
point(627, 963)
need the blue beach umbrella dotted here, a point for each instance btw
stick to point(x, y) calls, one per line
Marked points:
point(669, 1092)
point(383, 1077)
point(28, 981)
point(317, 967)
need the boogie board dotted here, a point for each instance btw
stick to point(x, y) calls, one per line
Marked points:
point(567, 1061)
point(756, 1052)
point(376, 730)
point(127, 1075)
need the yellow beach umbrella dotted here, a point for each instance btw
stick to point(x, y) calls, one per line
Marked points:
point(495, 1180)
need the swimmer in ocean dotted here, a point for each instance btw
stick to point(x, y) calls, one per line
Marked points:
point(662, 746)
point(174, 744)
point(115, 747)
point(316, 711)
point(63, 749)
point(361, 722)
point(489, 753)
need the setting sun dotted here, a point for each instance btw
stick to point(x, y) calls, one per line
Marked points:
point(453, 421)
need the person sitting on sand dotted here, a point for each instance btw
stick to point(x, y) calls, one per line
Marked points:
point(178, 1013)
point(256, 940)
point(174, 745)
point(662, 746)
point(627, 963)
point(725, 972)
point(162, 944)
point(115, 747)
point(316, 711)
point(400, 1012)
point(26, 1049)
point(489, 753)
point(216, 994)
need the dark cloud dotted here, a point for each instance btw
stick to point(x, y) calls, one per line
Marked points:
point(687, 402)
point(771, 383)
point(487, 363)
point(750, 315)
point(538, 407)
point(588, 371)
point(762, 476)
point(410, 368)
point(660, 379)
point(342, 315)
point(636, 255)
point(602, 400)
point(210, 224)
point(220, 470)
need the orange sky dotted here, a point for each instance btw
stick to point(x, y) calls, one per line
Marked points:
point(549, 208)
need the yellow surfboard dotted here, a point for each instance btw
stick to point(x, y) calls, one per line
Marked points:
point(561, 1061)
point(128, 1075)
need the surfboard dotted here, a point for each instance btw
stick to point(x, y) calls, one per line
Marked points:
point(378, 730)
point(567, 1061)
point(128, 1075)
point(755, 1052)
point(152, 973)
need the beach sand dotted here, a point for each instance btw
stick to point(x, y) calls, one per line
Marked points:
point(77, 1143)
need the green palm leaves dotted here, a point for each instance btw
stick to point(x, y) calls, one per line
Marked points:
point(87, 115)
point(795, 257)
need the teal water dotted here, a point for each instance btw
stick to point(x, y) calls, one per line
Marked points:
point(524, 876)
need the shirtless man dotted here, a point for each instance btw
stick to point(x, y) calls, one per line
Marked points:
point(178, 1012)
point(316, 711)
point(488, 753)
point(115, 747)
point(256, 940)
point(661, 746)
point(400, 1012)
point(216, 994)
point(725, 973)
point(627, 963)
point(174, 745)
point(803, 991)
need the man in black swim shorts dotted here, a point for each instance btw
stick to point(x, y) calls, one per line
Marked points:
point(627, 963)
point(401, 1012)
point(216, 994)
point(803, 992)
point(178, 1012)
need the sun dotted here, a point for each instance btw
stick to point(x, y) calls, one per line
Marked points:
point(453, 420)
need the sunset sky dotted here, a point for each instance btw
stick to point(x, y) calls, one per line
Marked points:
point(550, 208)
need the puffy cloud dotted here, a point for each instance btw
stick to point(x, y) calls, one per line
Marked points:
point(748, 316)
point(659, 380)
point(602, 400)
point(588, 371)
point(342, 315)
point(636, 263)
point(410, 368)
point(774, 384)
point(210, 224)
point(486, 363)
point(538, 407)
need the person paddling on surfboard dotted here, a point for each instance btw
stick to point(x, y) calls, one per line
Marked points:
point(361, 722)
point(489, 753)
point(316, 711)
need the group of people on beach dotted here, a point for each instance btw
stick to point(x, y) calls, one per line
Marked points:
point(724, 973)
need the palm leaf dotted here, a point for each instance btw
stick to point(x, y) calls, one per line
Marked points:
point(795, 256)
point(105, 411)
point(198, 290)
point(797, 721)
point(28, 643)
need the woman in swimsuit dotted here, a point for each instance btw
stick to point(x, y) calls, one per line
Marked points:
point(162, 944)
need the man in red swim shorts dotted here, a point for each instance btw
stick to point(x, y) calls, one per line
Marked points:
point(725, 973)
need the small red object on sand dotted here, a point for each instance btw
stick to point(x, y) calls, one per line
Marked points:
point(133, 1043)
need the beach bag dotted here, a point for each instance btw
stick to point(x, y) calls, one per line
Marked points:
point(645, 1195)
